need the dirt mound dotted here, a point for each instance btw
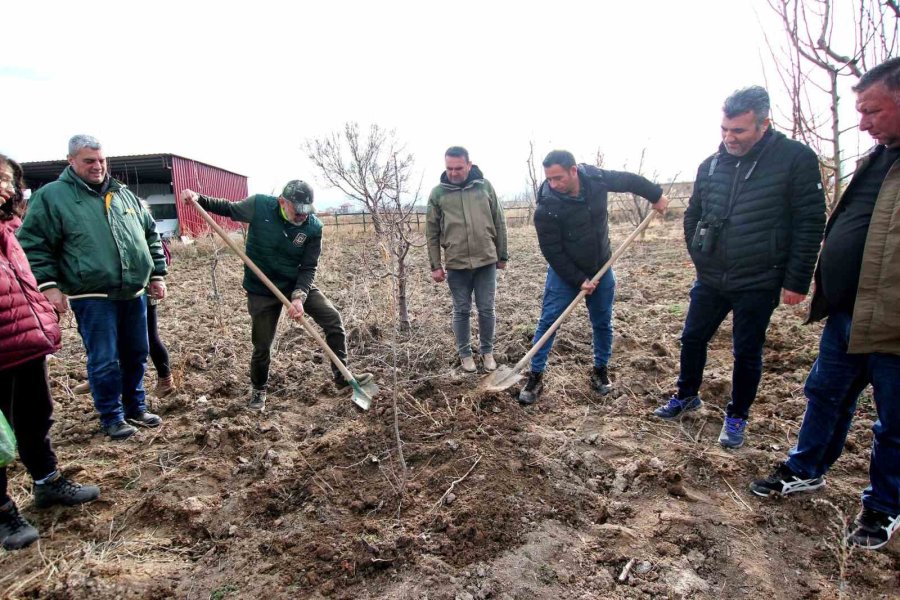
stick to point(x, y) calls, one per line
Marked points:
point(579, 496)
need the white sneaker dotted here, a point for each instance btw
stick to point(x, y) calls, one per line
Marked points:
point(489, 363)
point(468, 364)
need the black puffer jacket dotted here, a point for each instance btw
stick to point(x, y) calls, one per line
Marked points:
point(573, 233)
point(771, 236)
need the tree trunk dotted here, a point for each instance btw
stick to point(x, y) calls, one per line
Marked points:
point(402, 304)
point(836, 136)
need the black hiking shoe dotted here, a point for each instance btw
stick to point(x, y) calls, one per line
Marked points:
point(257, 399)
point(872, 529)
point(532, 390)
point(60, 490)
point(361, 379)
point(783, 482)
point(15, 531)
point(144, 419)
point(600, 380)
point(119, 430)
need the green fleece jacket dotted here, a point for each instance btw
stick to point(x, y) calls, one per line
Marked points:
point(89, 244)
point(287, 253)
point(466, 223)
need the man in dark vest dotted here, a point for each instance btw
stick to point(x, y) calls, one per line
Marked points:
point(858, 291)
point(752, 227)
point(284, 240)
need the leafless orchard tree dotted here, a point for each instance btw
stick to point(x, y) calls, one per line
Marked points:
point(826, 46)
point(374, 169)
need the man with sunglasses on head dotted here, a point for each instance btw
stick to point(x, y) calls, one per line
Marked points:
point(284, 240)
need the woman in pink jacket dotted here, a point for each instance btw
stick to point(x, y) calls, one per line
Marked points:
point(29, 331)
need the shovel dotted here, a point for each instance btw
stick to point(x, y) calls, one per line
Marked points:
point(362, 394)
point(506, 377)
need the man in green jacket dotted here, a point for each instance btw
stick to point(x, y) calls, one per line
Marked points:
point(94, 247)
point(284, 240)
point(466, 222)
point(857, 287)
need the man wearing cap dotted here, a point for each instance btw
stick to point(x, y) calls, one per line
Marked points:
point(284, 240)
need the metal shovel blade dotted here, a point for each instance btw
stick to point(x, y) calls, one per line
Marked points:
point(363, 394)
point(501, 379)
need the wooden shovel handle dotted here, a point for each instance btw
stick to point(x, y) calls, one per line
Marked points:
point(612, 259)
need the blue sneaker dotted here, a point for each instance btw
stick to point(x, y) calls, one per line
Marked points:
point(732, 434)
point(677, 407)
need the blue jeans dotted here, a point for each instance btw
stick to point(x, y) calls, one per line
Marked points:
point(114, 333)
point(751, 313)
point(463, 283)
point(558, 295)
point(832, 389)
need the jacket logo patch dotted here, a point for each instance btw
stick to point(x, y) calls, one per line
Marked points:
point(301, 237)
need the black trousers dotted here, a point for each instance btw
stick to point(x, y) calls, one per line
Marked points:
point(27, 405)
point(158, 352)
point(264, 314)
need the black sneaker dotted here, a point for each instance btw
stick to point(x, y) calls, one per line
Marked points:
point(15, 531)
point(872, 529)
point(257, 399)
point(119, 430)
point(600, 380)
point(783, 481)
point(361, 379)
point(145, 419)
point(532, 390)
point(60, 490)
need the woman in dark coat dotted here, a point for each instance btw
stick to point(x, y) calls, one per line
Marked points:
point(29, 331)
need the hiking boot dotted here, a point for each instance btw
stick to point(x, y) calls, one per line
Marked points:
point(361, 379)
point(119, 430)
point(732, 434)
point(145, 419)
point(468, 364)
point(164, 387)
point(257, 399)
point(676, 407)
point(487, 360)
point(15, 531)
point(872, 529)
point(600, 380)
point(783, 481)
point(82, 388)
point(532, 390)
point(60, 490)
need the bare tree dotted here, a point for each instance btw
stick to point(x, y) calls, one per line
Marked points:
point(826, 47)
point(363, 166)
point(375, 170)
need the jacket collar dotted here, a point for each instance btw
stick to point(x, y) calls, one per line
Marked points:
point(69, 176)
point(475, 177)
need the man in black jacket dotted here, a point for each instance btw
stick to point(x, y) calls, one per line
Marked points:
point(573, 233)
point(753, 227)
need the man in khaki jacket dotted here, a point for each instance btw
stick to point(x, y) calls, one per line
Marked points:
point(857, 287)
point(466, 222)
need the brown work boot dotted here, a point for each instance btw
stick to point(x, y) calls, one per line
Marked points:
point(164, 387)
point(82, 388)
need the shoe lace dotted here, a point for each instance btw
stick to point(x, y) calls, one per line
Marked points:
point(734, 425)
point(15, 519)
point(64, 487)
point(674, 403)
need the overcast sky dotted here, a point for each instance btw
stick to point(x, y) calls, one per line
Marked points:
point(242, 85)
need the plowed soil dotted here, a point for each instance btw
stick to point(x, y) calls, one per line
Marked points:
point(310, 499)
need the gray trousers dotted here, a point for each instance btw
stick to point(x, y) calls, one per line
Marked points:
point(264, 314)
point(463, 283)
